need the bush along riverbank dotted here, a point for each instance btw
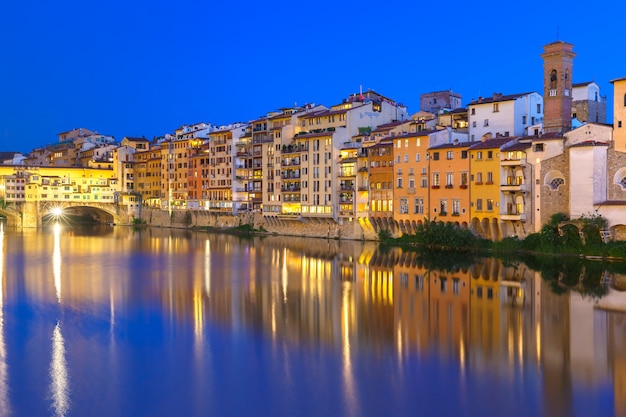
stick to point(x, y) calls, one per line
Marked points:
point(557, 237)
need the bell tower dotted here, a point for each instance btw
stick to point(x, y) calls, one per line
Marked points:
point(558, 60)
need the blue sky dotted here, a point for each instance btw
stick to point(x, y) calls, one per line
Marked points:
point(133, 68)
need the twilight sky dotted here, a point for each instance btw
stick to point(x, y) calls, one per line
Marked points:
point(133, 68)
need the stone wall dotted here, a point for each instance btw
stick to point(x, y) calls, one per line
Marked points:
point(285, 226)
point(588, 111)
point(553, 201)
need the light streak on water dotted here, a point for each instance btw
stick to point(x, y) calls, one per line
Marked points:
point(59, 378)
point(56, 260)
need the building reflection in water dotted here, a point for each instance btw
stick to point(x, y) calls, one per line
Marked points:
point(487, 318)
point(5, 406)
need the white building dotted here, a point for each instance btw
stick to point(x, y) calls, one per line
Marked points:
point(500, 115)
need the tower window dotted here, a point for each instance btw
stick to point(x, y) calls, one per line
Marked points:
point(553, 79)
point(555, 183)
point(624, 100)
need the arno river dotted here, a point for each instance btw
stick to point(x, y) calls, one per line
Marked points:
point(115, 322)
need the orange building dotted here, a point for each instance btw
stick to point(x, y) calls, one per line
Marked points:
point(449, 190)
point(381, 182)
point(410, 154)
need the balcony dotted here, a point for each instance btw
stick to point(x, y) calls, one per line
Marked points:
point(290, 188)
point(290, 175)
point(295, 148)
point(290, 162)
point(514, 184)
point(513, 216)
point(513, 162)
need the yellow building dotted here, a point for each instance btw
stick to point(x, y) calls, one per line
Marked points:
point(485, 187)
point(619, 114)
point(147, 174)
point(69, 184)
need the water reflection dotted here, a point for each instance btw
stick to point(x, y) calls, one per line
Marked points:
point(486, 322)
point(5, 406)
point(59, 377)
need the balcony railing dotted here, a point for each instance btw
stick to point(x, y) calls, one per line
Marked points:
point(513, 216)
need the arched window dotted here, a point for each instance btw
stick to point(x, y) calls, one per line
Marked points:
point(555, 183)
point(623, 183)
point(553, 79)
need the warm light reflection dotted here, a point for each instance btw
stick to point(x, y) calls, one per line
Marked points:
point(284, 275)
point(348, 373)
point(538, 342)
point(5, 408)
point(198, 317)
point(462, 353)
point(56, 260)
point(207, 267)
point(59, 378)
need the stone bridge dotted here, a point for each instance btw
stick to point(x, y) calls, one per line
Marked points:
point(31, 213)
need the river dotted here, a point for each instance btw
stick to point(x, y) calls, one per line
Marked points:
point(114, 321)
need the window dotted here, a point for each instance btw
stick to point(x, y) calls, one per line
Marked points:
point(424, 183)
point(524, 120)
point(619, 123)
point(463, 179)
point(449, 155)
point(419, 205)
point(449, 180)
point(443, 207)
point(435, 179)
point(486, 123)
point(479, 204)
point(406, 157)
point(411, 183)
point(473, 111)
point(489, 204)
point(463, 154)
point(474, 124)
point(404, 206)
point(538, 108)
point(417, 157)
point(555, 183)
point(624, 100)
point(490, 178)
point(456, 207)
point(479, 178)
point(489, 154)
point(496, 107)
point(553, 79)
point(479, 155)
point(436, 156)
point(399, 182)
point(538, 147)
point(456, 288)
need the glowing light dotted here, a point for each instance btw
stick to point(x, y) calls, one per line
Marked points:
point(59, 378)
point(57, 211)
